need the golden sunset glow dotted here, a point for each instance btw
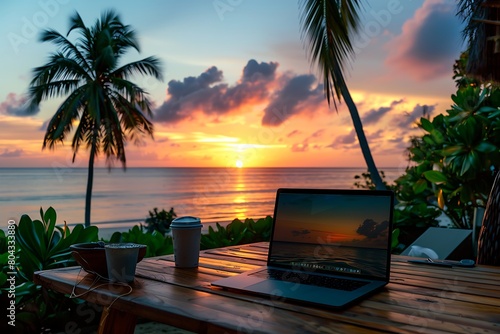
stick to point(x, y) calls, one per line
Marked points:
point(252, 102)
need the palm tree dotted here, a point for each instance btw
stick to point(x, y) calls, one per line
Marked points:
point(106, 108)
point(328, 25)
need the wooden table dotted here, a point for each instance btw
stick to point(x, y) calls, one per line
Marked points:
point(418, 299)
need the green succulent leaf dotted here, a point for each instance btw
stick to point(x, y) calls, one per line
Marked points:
point(49, 219)
point(435, 176)
point(486, 147)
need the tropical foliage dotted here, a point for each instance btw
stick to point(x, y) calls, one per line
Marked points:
point(457, 156)
point(41, 245)
point(160, 220)
point(237, 232)
point(328, 27)
point(107, 108)
point(158, 244)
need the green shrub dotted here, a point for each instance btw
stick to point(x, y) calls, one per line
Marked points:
point(157, 243)
point(237, 232)
point(455, 160)
point(160, 221)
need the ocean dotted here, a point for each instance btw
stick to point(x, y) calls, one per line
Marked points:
point(121, 199)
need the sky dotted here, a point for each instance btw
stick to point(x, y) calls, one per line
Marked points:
point(239, 88)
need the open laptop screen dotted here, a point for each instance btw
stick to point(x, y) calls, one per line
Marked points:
point(333, 231)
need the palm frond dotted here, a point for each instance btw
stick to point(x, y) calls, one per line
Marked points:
point(61, 123)
point(55, 81)
point(76, 22)
point(147, 66)
point(327, 27)
point(84, 127)
point(67, 48)
point(133, 93)
point(112, 135)
point(134, 123)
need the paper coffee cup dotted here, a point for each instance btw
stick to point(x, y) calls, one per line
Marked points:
point(121, 260)
point(186, 235)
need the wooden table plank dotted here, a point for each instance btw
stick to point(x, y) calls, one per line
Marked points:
point(418, 298)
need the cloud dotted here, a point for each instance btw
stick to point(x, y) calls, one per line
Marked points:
point(429, 42)
point(297, 93)
point(348, 139)
point(297, 233)
point(15, 105)
point(304, 147)
point(318, 134)
point(207, 93)
point(11, 154)
point(414, 116)
point(374, 115)
point(293, 133)
point(372, 229)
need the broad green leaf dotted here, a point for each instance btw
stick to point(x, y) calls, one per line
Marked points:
point(426, 124)
point(25, 235)
point(452, 150)
point(428, 140)
point(435, 176)
point(437, 136)
point(486, 147)
point(49, 218)
point(419, 186)
point(487, 109)
point(458, 117)
point(470, 160)
point(115, 237)
point(469, 130)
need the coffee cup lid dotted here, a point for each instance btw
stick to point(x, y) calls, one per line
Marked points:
point(186, 222)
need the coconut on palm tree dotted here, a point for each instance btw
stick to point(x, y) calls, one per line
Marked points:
point(103, 109)
point(328, 25)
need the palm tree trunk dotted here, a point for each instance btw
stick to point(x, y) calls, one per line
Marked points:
point(90, 182)
point(363, 143)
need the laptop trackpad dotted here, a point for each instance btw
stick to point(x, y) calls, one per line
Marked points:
point(282, 288)
point(307, 293)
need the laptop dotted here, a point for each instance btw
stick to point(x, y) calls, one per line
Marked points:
point(329, 247)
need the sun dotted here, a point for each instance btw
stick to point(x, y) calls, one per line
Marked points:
point(239, 163)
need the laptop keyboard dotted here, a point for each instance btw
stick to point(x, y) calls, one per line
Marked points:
point(316, 280)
